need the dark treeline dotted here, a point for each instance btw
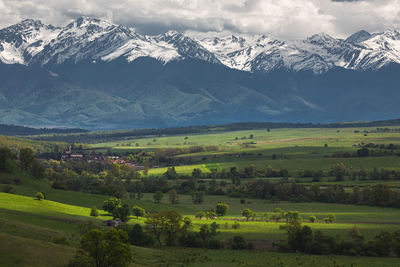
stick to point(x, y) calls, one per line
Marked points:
point(123, 181)
point(140, 133)
point(304, 239)
point(14, 130)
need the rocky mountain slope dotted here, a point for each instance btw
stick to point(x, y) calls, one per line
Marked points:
point(98, 75)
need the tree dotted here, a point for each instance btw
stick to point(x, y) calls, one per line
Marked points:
point(39, 196)
point(331, 218)
point(110, 204)
point(122, 213)
point(200, 214)
point(116, 170)
point(138, 211)
point(196, 173)
point(6, 157)
point(238, 242)
point(104, 249)
point(253, 215)
point(198, 197)
point(211, 214)
point(94, 212)
point(26, 157)
point(173, 196)
point(221, 209)
point(170, 174)
point(338, 171)
point(158, 196)
point(9, 189)
point(138, 237)
point(167, 223)
point(247, 213)
point(312, 219)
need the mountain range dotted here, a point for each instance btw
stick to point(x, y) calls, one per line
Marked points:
point(98, 75)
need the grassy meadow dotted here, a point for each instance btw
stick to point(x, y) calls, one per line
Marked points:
point(29, 227)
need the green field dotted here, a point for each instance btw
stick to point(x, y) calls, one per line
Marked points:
point(297, 149)
point(28, 227)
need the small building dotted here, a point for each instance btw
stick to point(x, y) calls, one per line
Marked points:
point(111, 223)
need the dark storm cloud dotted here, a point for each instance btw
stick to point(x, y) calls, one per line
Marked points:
point(284, 18)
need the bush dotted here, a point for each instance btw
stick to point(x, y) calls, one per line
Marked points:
point(61, 240)
point(39, 196)
point(221, 209)
point(312, 219)
point(9, 189)
point(235, 225)
point(138, 237)
point(94, 212)
point(238, 242)
point(214, 244)
point(58, 185)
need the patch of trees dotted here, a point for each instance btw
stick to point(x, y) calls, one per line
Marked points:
point(302, 238)
point(14, 130)
point(103, 249)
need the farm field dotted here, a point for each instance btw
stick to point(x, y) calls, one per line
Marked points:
point(296, 149)
point(44, 220)
point(64, 213)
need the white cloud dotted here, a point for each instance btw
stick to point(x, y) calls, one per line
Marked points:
point(284, 18)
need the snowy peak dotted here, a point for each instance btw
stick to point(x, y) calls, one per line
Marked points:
point(19, 42)
point(358, 37)
point(30, 42)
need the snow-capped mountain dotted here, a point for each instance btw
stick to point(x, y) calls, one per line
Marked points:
point(98, 75)
point(32, 43)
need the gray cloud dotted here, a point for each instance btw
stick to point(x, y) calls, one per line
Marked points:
point(284, 18)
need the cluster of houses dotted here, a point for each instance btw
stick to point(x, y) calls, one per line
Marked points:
point(70, 154)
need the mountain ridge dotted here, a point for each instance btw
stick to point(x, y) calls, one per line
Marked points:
point(97, 75)
point(30, 42)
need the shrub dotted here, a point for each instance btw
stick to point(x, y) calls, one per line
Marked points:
point(214, 244)
point(39, 196)
point(235, 225)
point(238, 242)
point(58, 185)
point(61, 240)
point(138, 211)
point(221, 209)
point(94, 212)
point(312, 219)
point(9, 189)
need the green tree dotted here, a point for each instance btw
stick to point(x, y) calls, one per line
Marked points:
point(331, 218)
point(221, 209)
point(338, 171)
point(165, 223)
point(26, 158)
point(122, 213)
point(170, 174)
point(196, 173)
point(110, 204)
point(138, 211)
point(116, 170)
point(104, 249)
point(200, 214)
point(247, 213)
point(94, 212)
point(211, 214)
point(198, 197)
point(6, 157)
point(158, 196)
point(312, 219)
point(39, 196)
point(173, 196)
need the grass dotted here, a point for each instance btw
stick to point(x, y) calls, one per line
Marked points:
point(19, 251)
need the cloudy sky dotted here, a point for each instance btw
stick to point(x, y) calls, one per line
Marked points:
point(280, 18)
